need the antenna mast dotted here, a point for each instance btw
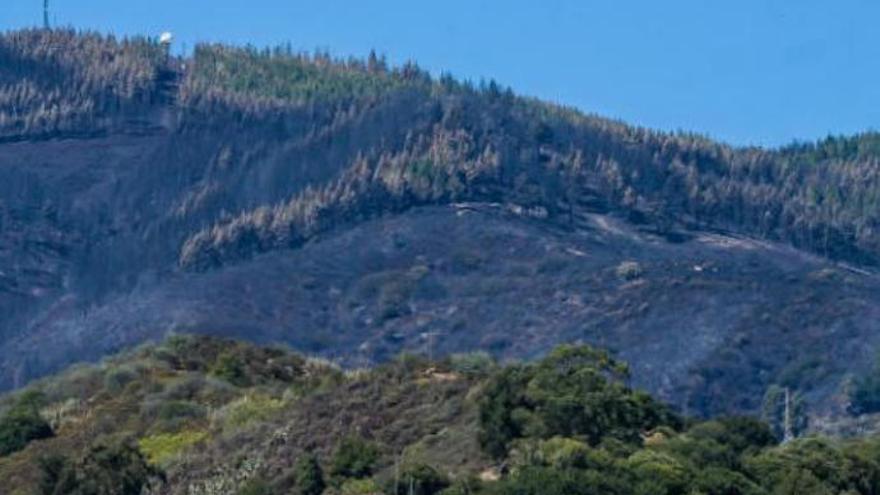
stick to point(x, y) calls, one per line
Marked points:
point(46, 14)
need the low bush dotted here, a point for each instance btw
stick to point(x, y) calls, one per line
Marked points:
point(365, 486)
point(179, 409)
point(231, 368)
point(354, 458)
point(23, 424)
point(472, 363)
point(116, 379)
point(162, 448)
point(256, 486)
point(245, 410)
point(629, 270)
point(309, 476)
point(115, 468)
point(419, 479)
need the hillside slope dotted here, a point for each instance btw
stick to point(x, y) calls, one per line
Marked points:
point(201, 416)
point(356, 210)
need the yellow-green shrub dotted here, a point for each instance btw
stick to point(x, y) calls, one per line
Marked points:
point(359, 487)
point(247, 409)
point(161, 448)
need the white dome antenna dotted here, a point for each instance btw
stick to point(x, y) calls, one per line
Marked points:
point(166, 38)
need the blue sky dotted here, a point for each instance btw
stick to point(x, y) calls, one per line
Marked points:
point(746, 71)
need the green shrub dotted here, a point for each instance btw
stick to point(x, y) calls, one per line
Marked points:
point(549, 481)
point(739, 434)
point(365, 486)
point(565, 453)
point(248, 409)
point(662, 471)
point(51, 470)
point(354, 458)
point(472, 363)
point(231, 368)
point(576, 391)
point(187, 387)
point(18, 430)
point(465, 486)
point(813, 461)
point(179, 409)
point(309, 476)
point(720, 481)
point(419, 479)
point(23, 424)
point(801, 482)
point(118, 469)
point(162, 448)
point(116, 379)
point(256, 486)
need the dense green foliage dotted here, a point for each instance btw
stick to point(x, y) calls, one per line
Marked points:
point(257, 486)
point(662, 455)
point(354, 458)
point(419, 479)
point(285, 77)
point(117, 468)
point(22, 424)
point(730, 456)
point(575, 392)
point(564, 424)
point(309, 476)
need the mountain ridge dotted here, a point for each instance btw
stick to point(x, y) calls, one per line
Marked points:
point(202, 192)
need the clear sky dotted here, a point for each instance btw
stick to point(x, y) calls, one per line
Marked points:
point(744, 71)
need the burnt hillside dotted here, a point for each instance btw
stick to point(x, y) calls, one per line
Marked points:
point(355, 209)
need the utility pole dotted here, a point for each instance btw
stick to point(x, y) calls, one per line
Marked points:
point(45, 14)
